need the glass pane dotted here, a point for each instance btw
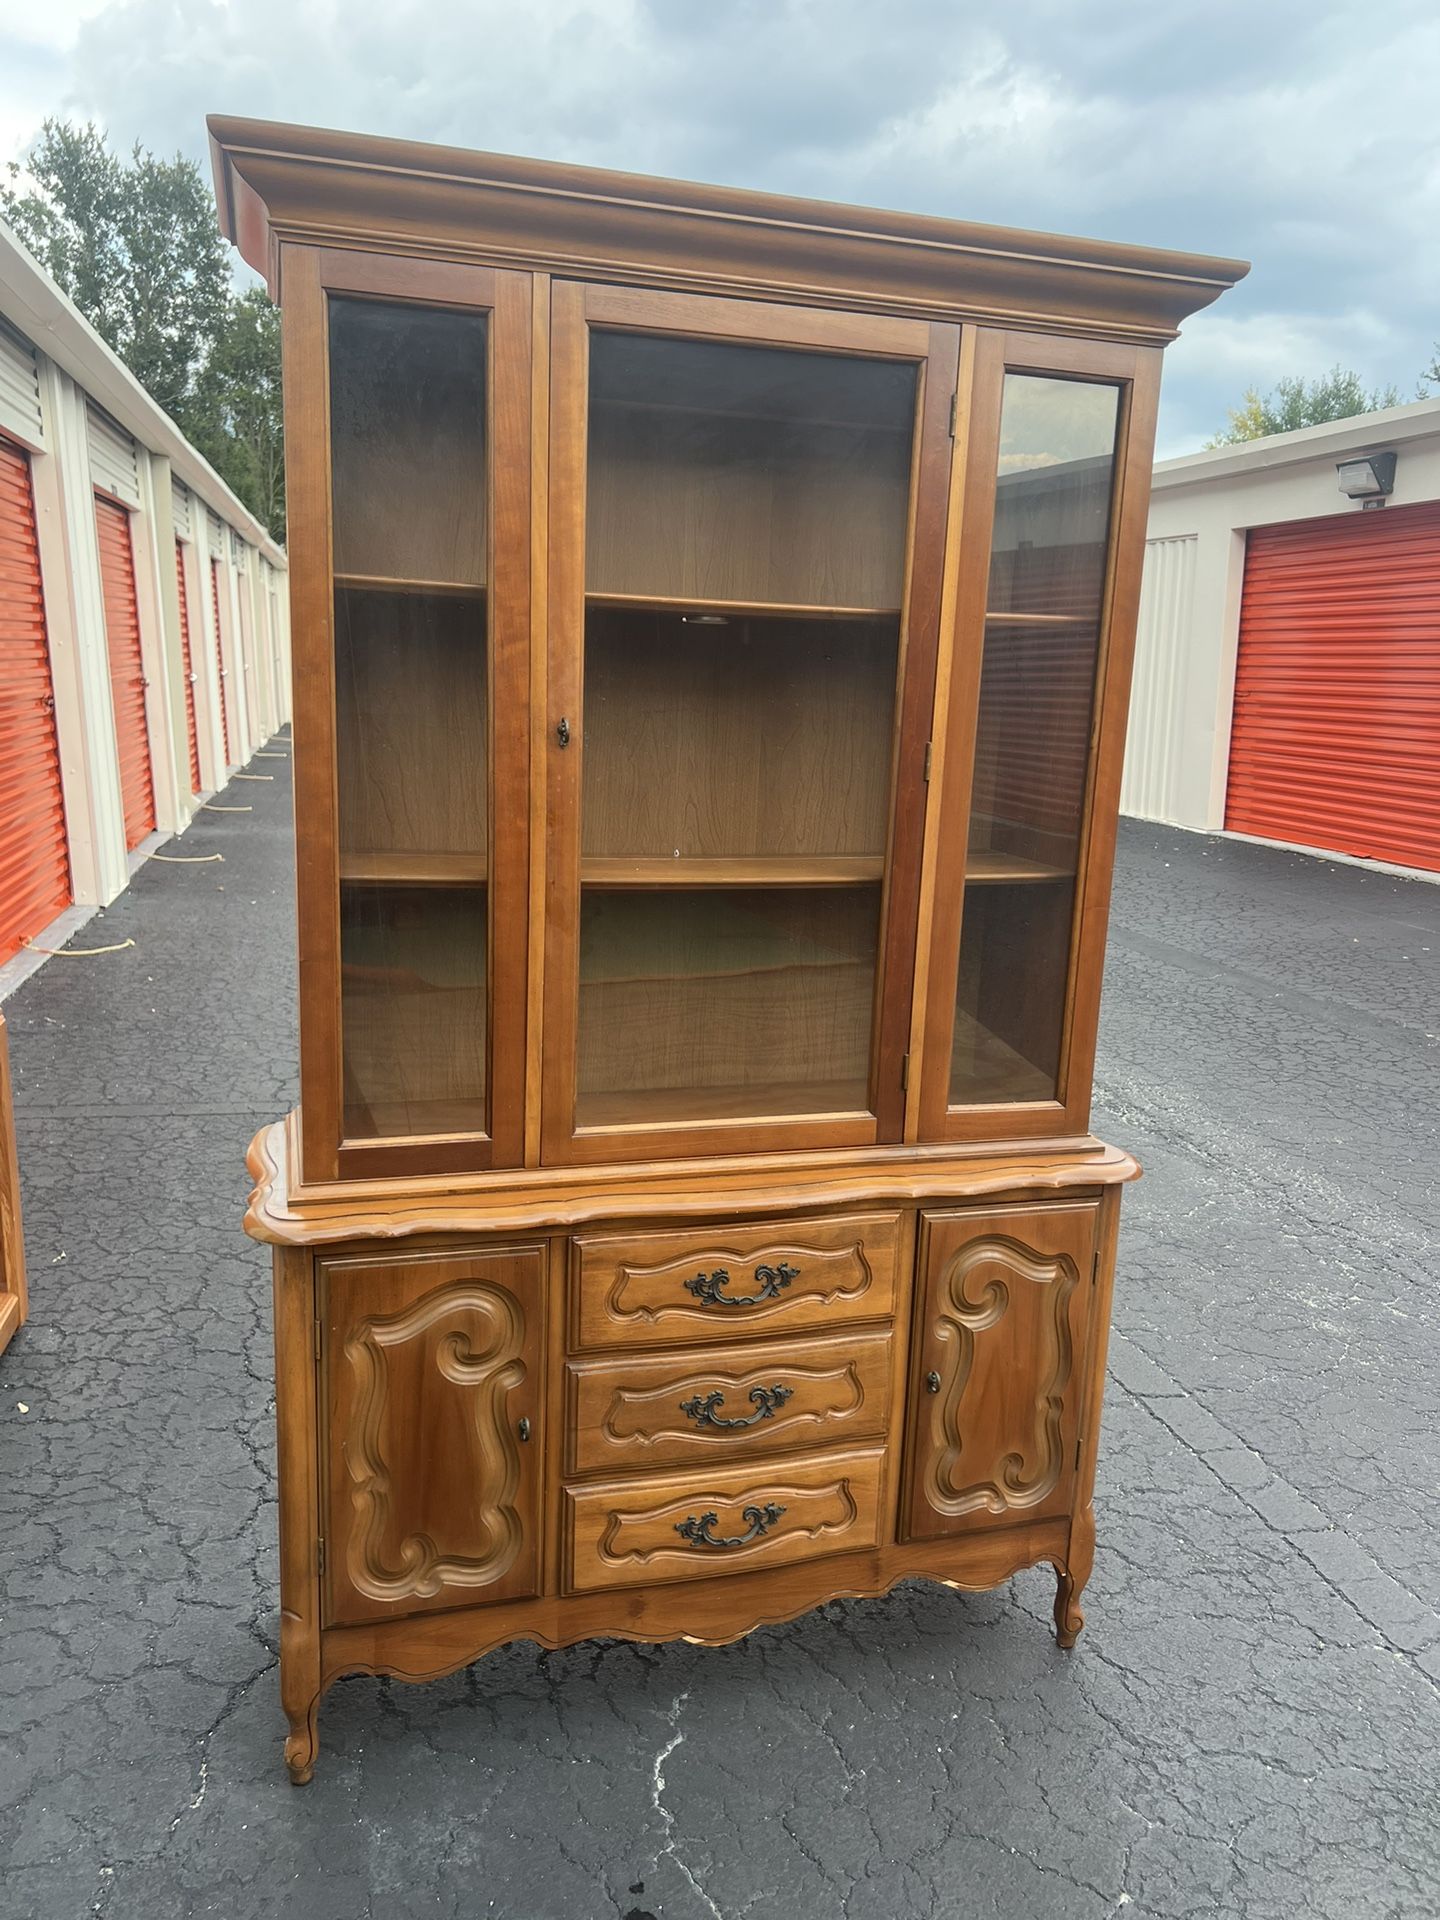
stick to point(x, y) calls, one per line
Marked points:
point(407, 424)
point(1037, 684)
point(413, 1009)
point(747, 516)
point(408, 389)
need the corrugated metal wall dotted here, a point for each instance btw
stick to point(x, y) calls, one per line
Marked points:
point(127, 669)
point(34, 857)
point(20, 387)
point(1158, 720)
point(180, 508)
point(114, 466)
point(1336, 740)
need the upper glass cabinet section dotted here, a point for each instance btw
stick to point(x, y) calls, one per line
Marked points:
point(408, 406)
point(746, 513)
point(1046, 594)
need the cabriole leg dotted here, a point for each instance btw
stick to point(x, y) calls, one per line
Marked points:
point(1072, 1577)
point(1068, 1617)
point(302, 1743)
point(299, 1477)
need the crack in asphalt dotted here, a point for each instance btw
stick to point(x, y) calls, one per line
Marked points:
point(1248, 1726)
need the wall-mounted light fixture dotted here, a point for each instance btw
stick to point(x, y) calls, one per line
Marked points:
point(1369, 479)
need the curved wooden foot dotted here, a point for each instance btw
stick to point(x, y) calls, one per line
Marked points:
point(1068, 1617)
point(1072, 1577)
point(302, 1743)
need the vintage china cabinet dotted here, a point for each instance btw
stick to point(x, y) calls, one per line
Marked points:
point(712, 623)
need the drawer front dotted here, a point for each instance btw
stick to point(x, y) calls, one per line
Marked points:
point(698, 1525)
point(650, 1289)
point(629, 1414)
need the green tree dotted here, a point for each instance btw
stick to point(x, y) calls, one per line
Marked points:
point(244, 435)
point(136, 246)
point(1296, 402)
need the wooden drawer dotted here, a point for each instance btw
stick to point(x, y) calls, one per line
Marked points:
point(699, 1525)
point(651, 1289)
point(627, 1414)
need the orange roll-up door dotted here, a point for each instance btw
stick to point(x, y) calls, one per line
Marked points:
point(127, 670)
point(34, 853)
point(1336, 739)
point(220, 655)
point(190, 728)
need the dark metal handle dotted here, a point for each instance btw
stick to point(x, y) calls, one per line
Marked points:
point(697, 1529)
point(707, 1287)
point(562, 732)
point(932, 1383)
point(765, 1401)
point(525, 1429)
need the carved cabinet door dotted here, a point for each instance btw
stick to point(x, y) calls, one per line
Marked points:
point(431, 1392)
point(1000, 1355)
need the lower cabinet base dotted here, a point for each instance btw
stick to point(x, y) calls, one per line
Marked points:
point(664, 1426)
point(708, 1613)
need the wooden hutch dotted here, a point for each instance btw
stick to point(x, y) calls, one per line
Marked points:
point(712, 621)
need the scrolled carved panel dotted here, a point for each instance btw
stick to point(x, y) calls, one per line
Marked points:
point(769, 1278)
point(432, 1371)
point(628, 1414)
point(702, 1525)
point(998, 1385)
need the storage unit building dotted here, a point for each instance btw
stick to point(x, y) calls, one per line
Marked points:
point(1287, 682)
point(144, 620)
point(34, 857)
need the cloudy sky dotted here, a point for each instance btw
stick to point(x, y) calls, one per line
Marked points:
point(1301, 134)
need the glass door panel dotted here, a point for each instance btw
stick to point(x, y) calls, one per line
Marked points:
point(1047, 580)
point(747, 509)
point(408, 405)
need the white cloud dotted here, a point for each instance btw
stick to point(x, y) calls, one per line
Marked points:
point(1300, 133)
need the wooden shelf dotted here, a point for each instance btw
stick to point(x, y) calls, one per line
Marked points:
point(382, 583)
point(736, 609)
point(755, 870)
point(985, 1071)
point(430, 1120)
point(1039, 619)
point(406, 869)
point(766, 417)
point(678, 1106)
point(984, 868)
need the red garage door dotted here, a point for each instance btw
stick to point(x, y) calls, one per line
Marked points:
point(1336, 738)
point(190, 727)
point(34, 861)
point(127, 670)
point(220, 655)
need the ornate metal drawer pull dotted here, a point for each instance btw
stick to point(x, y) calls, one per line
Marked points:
point(697, 1529)
point(707, 1287)
point(765, 1400)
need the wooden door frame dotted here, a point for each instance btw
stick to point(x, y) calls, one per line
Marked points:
point(308, 276)
point(1136, 371)
point(576, 306)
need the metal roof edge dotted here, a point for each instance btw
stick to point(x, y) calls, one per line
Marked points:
point(1361, 432)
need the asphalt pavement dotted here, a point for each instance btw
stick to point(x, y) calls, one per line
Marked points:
point(1250, 1725)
